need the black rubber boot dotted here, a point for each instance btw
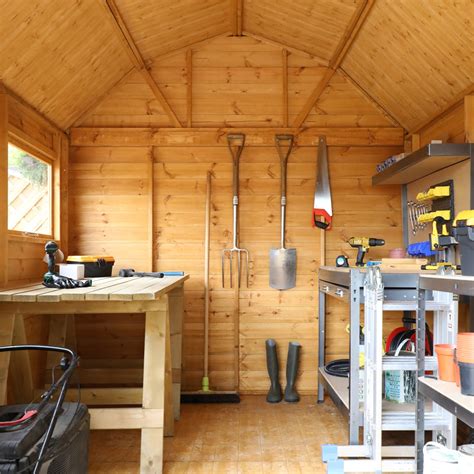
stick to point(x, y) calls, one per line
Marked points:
point(291, 394)
point(274, 394)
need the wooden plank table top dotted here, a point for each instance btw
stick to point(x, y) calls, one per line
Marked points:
point(102, 289)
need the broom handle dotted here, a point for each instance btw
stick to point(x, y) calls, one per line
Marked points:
point(206, 274)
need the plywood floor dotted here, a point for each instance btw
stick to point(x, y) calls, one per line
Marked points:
point(250, 437)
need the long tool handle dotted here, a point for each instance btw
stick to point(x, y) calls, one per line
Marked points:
point(206, 278)
point(283, 172)
point(238, 141)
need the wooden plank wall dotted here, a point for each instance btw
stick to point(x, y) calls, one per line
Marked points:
point(179, 180)
point(236, 82)
point(25, 253)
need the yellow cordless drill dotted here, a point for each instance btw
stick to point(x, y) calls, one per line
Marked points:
point(362, 244)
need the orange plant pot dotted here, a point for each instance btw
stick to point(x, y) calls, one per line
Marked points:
point(465, 347)
point(446, 364)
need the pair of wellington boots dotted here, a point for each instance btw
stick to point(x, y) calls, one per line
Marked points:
point(275, 393)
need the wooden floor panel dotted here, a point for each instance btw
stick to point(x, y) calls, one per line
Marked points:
point(250, 437)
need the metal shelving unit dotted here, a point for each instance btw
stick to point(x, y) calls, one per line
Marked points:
point(398, 292)
point(445, 395)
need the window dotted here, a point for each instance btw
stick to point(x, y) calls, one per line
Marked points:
point(29, 193)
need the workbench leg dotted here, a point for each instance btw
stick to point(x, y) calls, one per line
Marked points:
point(321, 342)
point(58, 325)
point(156, 322)
point(22, 383)
point(6, 338)
point(176, 302)
point(169, 414)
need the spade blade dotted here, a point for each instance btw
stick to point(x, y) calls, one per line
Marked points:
point(282, 268)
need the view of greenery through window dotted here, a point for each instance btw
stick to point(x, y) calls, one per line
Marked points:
point(29, 192)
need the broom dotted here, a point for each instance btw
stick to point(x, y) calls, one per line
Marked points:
point(206, 395)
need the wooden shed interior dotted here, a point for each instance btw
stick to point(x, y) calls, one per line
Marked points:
point(130, 103)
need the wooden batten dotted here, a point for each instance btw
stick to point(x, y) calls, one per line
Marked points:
point(3, 186)
point(469, 118)
point(189, 88)
point(284, 73)
point(360, 136)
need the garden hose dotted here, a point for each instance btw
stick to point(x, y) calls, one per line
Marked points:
point(338, 368)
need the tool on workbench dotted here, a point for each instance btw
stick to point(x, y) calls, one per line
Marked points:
point(342, 261)
point(362, 244)
point(51, 278)
point(322, 206)
point(94, 265)
point(130, 272)
point(235, 143)
point(282, 272)
point(463, 229)
point(440, 216)
point(442, 242)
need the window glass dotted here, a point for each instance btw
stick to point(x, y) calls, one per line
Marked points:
point(29, 192)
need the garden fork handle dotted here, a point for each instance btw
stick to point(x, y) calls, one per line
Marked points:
point(236, 140)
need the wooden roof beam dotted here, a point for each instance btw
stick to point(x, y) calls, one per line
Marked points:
point(131, 49)
point(370, 98)
point(342, 49)
point(236, 16)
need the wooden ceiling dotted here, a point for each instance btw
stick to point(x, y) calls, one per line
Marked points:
point(414, 58)
point(58, 55)
point(315, 26)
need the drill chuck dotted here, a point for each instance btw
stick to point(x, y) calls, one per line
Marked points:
point(376, 242)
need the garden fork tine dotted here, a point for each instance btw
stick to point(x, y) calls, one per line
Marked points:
point(237, 140)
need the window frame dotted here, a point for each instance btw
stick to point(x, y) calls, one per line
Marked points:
point(39, 155)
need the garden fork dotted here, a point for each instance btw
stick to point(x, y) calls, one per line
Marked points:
point(236, 143)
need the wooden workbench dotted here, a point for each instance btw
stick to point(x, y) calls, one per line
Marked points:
point(162, 302)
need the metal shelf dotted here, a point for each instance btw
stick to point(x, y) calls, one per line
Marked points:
point(458, 284)
point(412, 306)
point(421, 163)
point(407, 363)
point(449, 396)
point(395, 416)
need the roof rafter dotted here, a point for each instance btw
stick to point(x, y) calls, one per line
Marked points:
point(131, 49)
point(342, 49)
point(236, 16)
point(77, 122)
point(370, 98)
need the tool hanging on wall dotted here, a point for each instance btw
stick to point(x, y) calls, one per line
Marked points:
point(322, 206)
point(235, 143)
point(282, 260)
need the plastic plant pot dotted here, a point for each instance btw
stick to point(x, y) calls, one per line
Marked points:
point(467, 378)
point(446, 364)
